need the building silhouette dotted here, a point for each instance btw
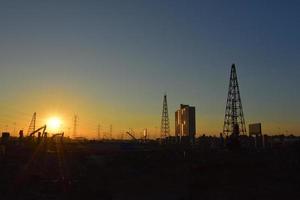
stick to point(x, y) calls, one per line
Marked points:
point(185, 124)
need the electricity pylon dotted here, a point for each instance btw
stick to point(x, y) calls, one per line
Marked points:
point(234, 123)
point(31, 127)
point(165, 126)
point(75, 126)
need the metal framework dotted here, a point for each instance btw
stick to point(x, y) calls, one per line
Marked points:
point(165, 125)
point(98, 131)
point(110, 132)
point(234, 122)
point(43, 134)
point(131, 135)
point(31, 127)
point(75, 126)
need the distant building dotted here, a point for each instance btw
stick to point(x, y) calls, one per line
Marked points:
point(5, 137)
point(185, 124)
point(255, 129)
point(256, 133)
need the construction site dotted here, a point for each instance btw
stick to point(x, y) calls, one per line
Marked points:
point(237, 164)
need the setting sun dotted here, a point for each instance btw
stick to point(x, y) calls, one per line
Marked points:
point(54, 123)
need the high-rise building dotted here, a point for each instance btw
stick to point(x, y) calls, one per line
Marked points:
point(185, 123)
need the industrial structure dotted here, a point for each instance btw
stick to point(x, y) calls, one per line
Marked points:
point(256, 132)
point(75, 126)
point(40, 134)
point(255, 129)
point(31, 127)
point(131, 134)
point(165, 125)
point(185, 124)
point(234, 122)
point(110, 132)
point(98, 132)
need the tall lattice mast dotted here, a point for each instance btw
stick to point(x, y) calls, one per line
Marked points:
point(234, 123)
point(98, 131)
point(165, 126)
point(75, 124)
point(31, 127)
point(110, 131)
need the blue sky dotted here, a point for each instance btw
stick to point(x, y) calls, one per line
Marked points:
point(112, 61)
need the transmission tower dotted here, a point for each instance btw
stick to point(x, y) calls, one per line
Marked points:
point(31, 127)
point(234, 123)
point(75, 126)
point(98, 131)
point(110, 132)
point(165, 127)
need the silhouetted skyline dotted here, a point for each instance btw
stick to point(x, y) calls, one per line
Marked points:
point(110, 62)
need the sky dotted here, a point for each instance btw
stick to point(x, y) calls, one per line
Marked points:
point(110, 62)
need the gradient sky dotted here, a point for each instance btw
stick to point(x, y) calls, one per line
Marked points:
point(110, 62)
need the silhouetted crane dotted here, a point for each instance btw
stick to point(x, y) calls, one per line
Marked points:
point(43, 134)
point(131, 135)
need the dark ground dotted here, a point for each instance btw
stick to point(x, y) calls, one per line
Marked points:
point(129, 171)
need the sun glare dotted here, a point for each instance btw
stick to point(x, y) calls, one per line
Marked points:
point(54, 123)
